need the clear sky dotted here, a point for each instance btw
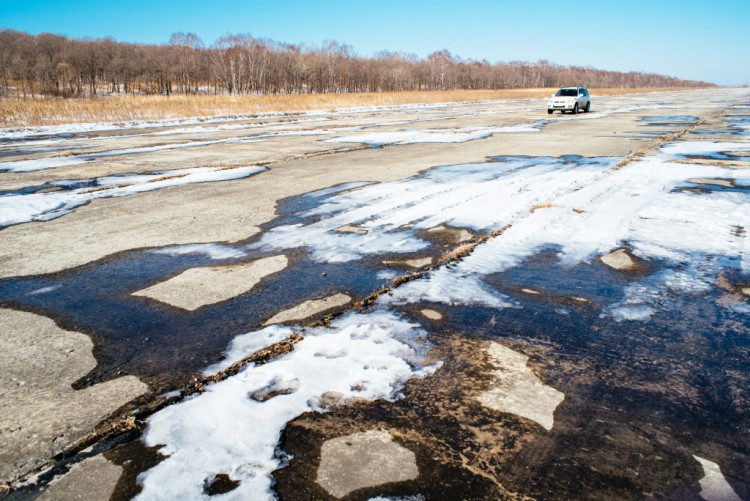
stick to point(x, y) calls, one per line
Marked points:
point(694, 39)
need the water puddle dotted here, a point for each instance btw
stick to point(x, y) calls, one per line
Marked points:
point(164, 345)
point(670, 120)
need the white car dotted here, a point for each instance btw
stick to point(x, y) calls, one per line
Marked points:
point(572, 99)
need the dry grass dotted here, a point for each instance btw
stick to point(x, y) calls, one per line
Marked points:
point(457, 253)
point(536, 207)
point(16, 112)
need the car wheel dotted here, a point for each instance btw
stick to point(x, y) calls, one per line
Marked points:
point(575, 109)
point(549, 112)
point(588, 107)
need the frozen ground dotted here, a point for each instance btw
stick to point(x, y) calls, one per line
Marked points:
point(531, 306)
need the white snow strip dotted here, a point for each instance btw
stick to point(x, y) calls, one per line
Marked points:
point(688, 148)
point(213, 251)
point(714, 487)
point(42, 163)
point(19, 208)
point(65, 161)
point(44, 290)
point(432, 135)
point(235, 425)
point(245, 345)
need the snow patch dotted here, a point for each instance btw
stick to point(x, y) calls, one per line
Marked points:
point(22, 208)
point(224, 430)
point(213, 251)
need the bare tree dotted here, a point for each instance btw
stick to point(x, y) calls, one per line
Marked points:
point(239, 64)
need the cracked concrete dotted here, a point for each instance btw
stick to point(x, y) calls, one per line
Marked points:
point(43, 414)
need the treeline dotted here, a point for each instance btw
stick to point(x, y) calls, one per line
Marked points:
point(54, 65)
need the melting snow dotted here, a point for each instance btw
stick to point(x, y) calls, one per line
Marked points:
point(213, 251)
point(66, 161)
point(22, 208)
point(635, 204)
point(226, 430)
point(477, 196)
point(433, 135)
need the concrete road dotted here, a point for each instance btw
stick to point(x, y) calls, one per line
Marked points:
point(474, 301)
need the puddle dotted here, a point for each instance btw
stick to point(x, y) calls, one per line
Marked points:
point(161, 344)
point(649, 390)
point(164, 345)
point(712, 185)
point(717, 132)
point(670, 120)
point(651, 132)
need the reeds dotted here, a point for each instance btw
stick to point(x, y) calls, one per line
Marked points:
point(19, 112)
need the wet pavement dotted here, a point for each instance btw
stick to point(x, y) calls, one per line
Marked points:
point(481, 275)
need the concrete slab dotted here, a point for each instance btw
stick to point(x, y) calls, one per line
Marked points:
point(93, 479)
point(714, 487)
point(364, 459)
point(411, 263)
point(198, 287)
point(309, 308)
point(431, 314)
point(517, 390)
point(43, 414)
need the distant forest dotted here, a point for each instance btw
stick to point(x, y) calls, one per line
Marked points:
point(54, 65)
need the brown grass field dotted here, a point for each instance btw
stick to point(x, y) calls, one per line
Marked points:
point(15, 112)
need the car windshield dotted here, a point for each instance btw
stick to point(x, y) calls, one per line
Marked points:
point(567, 93)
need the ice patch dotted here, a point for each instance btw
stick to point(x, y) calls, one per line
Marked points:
point(223, 430)
point(445, 286)
point(740, 307)
point(387, 274)
point(213, 251)
point(22, 208)
point(44, 290)
point(245, 345)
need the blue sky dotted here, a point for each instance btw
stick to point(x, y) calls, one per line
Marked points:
point(687, 38)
